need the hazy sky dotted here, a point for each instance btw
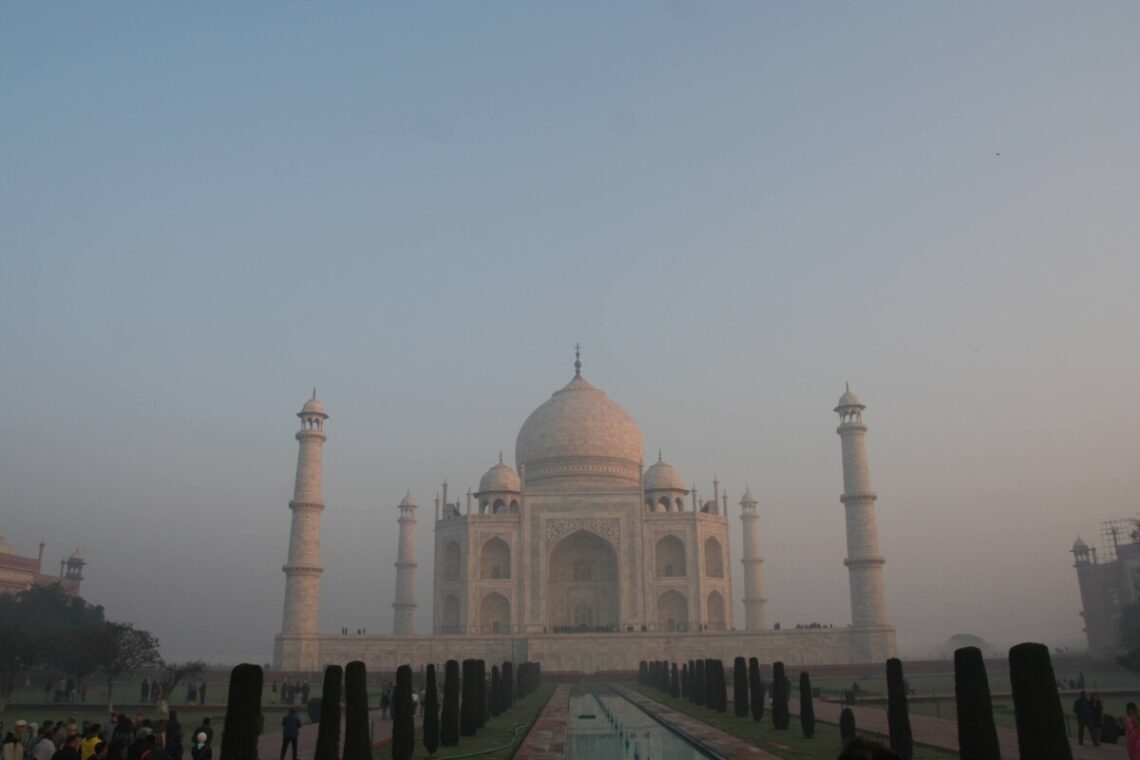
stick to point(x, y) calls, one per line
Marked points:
point(207, 209)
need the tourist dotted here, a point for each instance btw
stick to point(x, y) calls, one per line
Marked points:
point(201, 750)
point(202, 692)
point(121, 737)
point(151, 750)
point(70, 750)
point(101, 750)
point(205, 730)
point(91, 736)
point(12, 748)
point(1082, 708)
point(385, 703)
point(173, 744)
point(290, 731)
point(43, 748)
point(144, 691)
point(1097, 716)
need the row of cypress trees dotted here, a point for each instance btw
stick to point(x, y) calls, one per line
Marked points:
point(443, 725)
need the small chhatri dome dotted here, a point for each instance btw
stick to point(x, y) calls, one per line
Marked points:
point(1079, 545)
point(408, 501)
point(663, 476)
point(5, 547)
point(849, 398)
point(75, 556)
point(748, 498)
point(314, 406)
point(500, 478)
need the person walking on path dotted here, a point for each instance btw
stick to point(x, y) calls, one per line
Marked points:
point(290, 730)
point(174, 736)
point(385, 703)
point(1083, 709)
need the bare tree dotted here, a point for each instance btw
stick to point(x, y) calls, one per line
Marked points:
point(122, 649)
point(173, 673)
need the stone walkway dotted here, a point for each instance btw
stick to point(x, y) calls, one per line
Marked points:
point(269, 745)
point(941, 733)
point(547, 738)
point(718, 741)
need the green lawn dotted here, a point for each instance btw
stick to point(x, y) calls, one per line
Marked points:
point(790, 744)
point(498, 732)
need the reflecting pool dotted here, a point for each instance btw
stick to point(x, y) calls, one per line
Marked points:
point(605, 726)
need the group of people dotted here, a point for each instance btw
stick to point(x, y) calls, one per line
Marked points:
point(289, 691)
point(62, 689)
point(120, 739)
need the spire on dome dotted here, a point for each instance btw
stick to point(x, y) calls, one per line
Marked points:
point(500, 456)
point(577, 360)
point(659, 455)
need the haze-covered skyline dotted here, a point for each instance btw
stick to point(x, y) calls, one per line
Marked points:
point(206, 211)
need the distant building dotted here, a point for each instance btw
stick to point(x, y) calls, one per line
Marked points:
point(1108, 581)
point(21, 573)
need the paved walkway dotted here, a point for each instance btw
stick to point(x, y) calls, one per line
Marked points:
point(724, 744)
point(547, 738)
point(269, 745)
point(941, 733)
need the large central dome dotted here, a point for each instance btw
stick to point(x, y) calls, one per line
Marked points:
point(579, 435)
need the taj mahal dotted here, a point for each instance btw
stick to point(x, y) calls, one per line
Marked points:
point(582, 558)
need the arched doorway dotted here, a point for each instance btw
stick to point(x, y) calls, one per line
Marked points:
point(716, 611)
point(450, 615)
point(495, 614)
point(582, 584)
point(495, 560)
point(669, 558)
point(714, 559)
point(672, 612)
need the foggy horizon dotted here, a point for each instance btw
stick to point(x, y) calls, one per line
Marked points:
point(420, 210)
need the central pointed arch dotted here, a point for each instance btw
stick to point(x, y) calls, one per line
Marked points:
point(583, 589)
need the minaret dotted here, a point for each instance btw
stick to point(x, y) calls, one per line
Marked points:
point(864, 560)
point(303, 569)
point(404, 608)
point(753, 565)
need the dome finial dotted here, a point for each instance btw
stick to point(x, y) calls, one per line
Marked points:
point(314, 391)
point(577, 360)
point(658, 455)
point(500, 456)
point(847, 385)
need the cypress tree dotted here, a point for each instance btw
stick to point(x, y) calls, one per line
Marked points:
point(847, 725)
point(1036, 704)
point(740, 687)
point(674, 681)
point(977, 736)
point(468, 709)
point(714, 681)
point(643, 672)
point(807, 707)
point(242, 728)
point(357, 744)
point(431, 713)
point(693, 681)
point(403, 716)
point(898, 717)
point(328, 733)
point(508, 676)
point(684, 680)
point(780, 717)
point(496, 692)
point(699, 690)
point(481, 669)
point(755, 689)
point(449, 715)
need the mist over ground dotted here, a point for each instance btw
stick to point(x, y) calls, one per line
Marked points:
point(204, 212)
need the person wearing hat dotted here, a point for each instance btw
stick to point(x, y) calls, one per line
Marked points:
point(200, 749)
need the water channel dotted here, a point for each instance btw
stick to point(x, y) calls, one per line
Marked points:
point(605, 726)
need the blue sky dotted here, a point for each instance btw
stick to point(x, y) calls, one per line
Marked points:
point(207, 209)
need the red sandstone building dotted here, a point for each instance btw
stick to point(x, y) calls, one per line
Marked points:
point(21, 573)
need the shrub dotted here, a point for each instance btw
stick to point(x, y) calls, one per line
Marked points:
point(357, 744)
point(755, 689)
point(699, 691)
point(403, 716)
point(740, 687)
point(431, 713)
point(328, 734)
point(685, 680)
point(313, 709)
point(977, 736)
point(1036, 704)
point(468, 715)
point(898, 717)
point(496, 692)
point(481, 692)
point(449, 715)
point(643, 673)
point(807, 708)
point(780, 717)
point(508, 676)
point(846, 725)
point(242, 728)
